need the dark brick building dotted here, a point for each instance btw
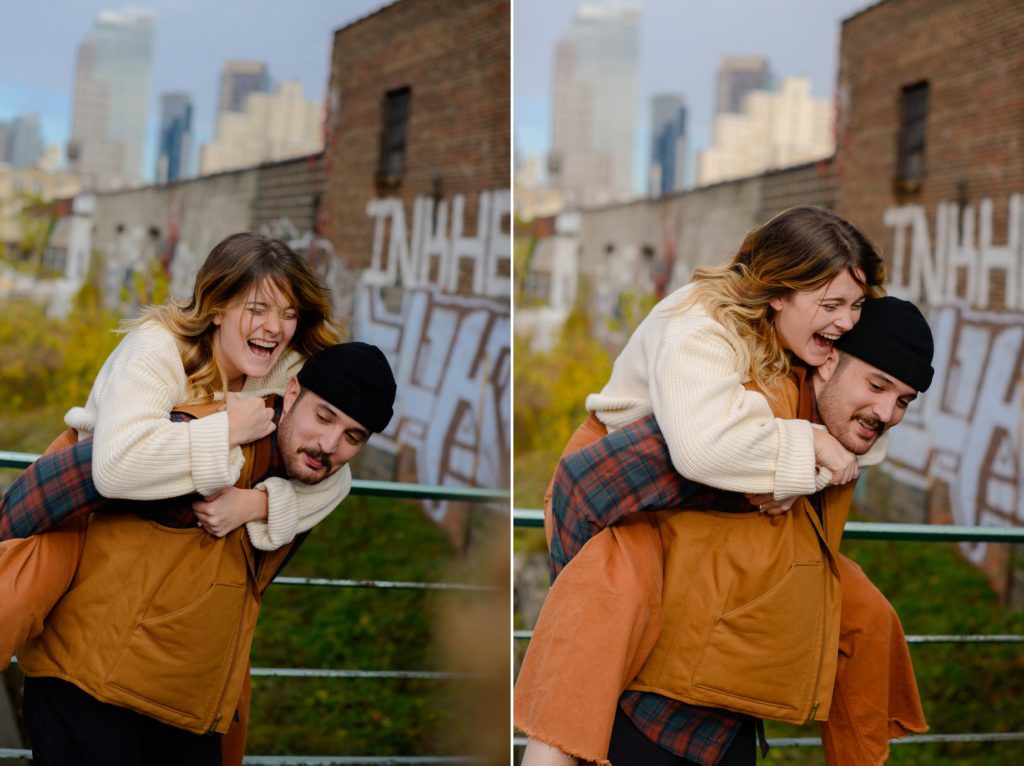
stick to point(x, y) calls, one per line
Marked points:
point(930, 163)
point(416, 208)
point(419, 108)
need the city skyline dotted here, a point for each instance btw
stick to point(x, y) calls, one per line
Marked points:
point(192, 42)
point(681, 49)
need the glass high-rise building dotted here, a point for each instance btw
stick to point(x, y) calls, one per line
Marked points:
point(23, 142)
point(668, 144)
point(175, 142)
point(112, 89)
point(237, 80)
point(594, 105)
point(737, 76)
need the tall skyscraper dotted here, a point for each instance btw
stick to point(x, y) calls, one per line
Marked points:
point(237, 80)
point(668, 144)
point(737, 76)
point(172, 161)
point(25, 141)
point(112, 84)
point(594, 105)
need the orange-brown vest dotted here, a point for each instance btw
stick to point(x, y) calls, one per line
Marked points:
point(160, 620)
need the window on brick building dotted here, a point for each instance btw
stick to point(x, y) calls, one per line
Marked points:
point(913, 117)
point(392, 145)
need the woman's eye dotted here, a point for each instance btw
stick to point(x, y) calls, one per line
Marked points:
point(289, 316)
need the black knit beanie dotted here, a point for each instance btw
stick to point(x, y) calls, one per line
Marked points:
point(893, 336)
point(357, 379)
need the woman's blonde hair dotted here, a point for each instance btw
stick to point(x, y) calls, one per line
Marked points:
point(802, 248)
point(234, 268)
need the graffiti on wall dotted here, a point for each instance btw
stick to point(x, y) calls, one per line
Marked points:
point(431, 248)
point(956, 259)
point(451, 358)
point(968, 429)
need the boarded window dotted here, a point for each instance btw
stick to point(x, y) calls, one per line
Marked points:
point(913, 117)
point(392, 150)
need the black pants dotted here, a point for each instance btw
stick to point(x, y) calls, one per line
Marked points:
point(70, 728)
point(630, 747)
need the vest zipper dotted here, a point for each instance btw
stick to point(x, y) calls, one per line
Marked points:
point(213, 725)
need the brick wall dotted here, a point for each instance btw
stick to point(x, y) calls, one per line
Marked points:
point(953, 242)
point(455, 59)
point(428, 250)
point(971, 52)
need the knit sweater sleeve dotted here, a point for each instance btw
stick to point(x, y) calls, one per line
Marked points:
point(294, 507)
point(138, 453)
point(718, 432)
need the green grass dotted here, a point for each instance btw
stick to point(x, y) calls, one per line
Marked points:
point(367, 629)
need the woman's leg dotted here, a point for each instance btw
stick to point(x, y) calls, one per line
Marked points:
point(875, 696)
point(600, 620)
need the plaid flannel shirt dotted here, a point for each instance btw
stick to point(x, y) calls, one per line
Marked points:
point(626, 472)
point(60, 485)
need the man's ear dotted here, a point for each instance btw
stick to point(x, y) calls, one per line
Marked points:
point(828, 368)
point(291, 393)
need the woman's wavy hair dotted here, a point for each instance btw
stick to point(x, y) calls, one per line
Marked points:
point(801, 248)
point(236, 267)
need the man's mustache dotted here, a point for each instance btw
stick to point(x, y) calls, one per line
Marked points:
point(322, 457)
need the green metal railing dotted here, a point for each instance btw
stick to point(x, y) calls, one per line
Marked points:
point(859, 530)
point(391, 490)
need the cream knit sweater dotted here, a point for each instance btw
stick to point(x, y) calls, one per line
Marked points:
point(684, 367)
point(139, 454)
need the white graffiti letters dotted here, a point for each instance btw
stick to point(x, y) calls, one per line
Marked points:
point(451, 359)
point(967, 430)
point(431, 252)
point(961, 263)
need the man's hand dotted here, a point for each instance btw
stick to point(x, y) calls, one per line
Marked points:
point(249, 419)
point(229, 509)
point(829, 453)
point(768, 505)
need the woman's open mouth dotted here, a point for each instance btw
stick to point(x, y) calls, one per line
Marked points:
point(262, 348)
point(825, 340)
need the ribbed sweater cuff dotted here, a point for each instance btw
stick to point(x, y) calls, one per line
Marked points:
point(795, 469)
point(214, 465)
point(282, 521)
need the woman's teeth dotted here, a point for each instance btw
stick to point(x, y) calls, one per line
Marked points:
point(262, 347)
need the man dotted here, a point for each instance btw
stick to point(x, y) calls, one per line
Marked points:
point(685, 700)
point(147, 652)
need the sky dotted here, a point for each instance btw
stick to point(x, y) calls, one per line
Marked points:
point(681, 44)
point(192, 40)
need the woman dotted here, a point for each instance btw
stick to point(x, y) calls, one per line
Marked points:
point(796, 284)
point(256, 312)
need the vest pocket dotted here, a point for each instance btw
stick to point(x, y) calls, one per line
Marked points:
point(178, 660)
point(778, 632)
